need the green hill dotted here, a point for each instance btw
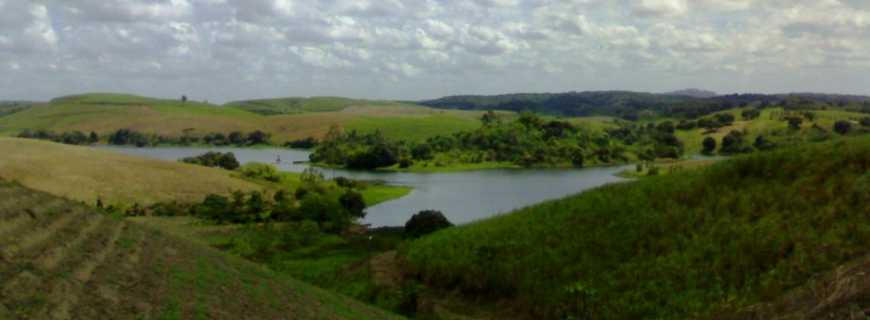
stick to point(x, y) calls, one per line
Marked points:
point(61, 260)
point(293, 105)
point(707, 243)
point(106, 113)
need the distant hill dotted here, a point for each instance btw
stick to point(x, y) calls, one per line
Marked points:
point(605, 103)
point(10, 107)
point(60, 259)
point(289, 119)
point(694, 93)
point(634, 105)
point(294, 105)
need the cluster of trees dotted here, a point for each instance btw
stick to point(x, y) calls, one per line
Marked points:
point(528, 141)
point(215, 160)
point(235, 138)
point(69, 137)
point(307, 143)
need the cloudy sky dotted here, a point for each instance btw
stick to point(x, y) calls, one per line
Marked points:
point(223, 50)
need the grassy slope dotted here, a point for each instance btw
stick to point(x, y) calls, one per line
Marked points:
point(767, 124)
point(61, 260)
point(293, 105)
point(105, 113)
point(85, 173)
point(693, 244)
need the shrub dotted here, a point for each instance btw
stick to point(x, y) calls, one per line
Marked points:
point(709, 145)
point(261, 171)
point(426, 222)
point(354, 203)
point(307, 143)
point(214, 159)
point(843, 127)
point(865, 122)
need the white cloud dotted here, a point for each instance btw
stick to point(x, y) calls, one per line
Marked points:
point(429, 47)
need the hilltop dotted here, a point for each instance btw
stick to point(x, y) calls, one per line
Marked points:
point(289, 119)
point(86, 174)
point(63, 260)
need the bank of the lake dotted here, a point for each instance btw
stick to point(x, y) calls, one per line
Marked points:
point(463, 196)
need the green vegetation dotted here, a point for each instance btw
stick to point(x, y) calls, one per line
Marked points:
point(218, 160)
point(174, 120)
point(528, 141)
point(302, 105)
point(700, 243)
point(64, 260)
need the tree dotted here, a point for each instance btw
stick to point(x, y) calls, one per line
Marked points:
point(258, 137)
point(93, 138)
point(843, 127)
point(354, 203)
point(666, 127)
point(865, 122)
point(489, 118)
point(183, 99)
point(709, 145)
point(794, 123)
point(761, 143)
point(426, 222)
point(750, 114)
point(733, 143)
point(236, 138)
point(577, 158)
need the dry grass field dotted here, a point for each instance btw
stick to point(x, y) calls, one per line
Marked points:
point(84, 174)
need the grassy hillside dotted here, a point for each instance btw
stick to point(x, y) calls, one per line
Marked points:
point(85, 173)
point(294, 105)
point(60, 260)
point(697, 244)
point(106, 113)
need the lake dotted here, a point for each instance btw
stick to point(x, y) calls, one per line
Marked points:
point(462, 196)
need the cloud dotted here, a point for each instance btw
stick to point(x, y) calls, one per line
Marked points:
point(409, 49)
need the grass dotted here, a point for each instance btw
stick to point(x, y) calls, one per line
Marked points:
point(86, 174)
point(695, 244)
point(143, 273)
point(302, 105)
point(106, 113)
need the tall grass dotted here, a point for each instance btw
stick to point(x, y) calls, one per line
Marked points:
point(693, 244)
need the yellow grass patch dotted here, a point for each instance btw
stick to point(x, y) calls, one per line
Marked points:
point(85, 174)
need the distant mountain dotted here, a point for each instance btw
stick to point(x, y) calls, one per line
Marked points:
point(10, 107)
point(694, 93)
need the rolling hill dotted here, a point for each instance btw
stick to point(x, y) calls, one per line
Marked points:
point(763, 236)
point(62, 260)
point(106, 113)
point(85, 174)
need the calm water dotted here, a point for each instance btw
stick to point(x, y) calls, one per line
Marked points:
point(462, 196)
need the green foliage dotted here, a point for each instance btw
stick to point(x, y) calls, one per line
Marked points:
point(215, 159)
point(679, 246)
point(70, 137)
point(529, 141)
point(353, 202)
point(843, 127)
point(734, 142)
point(261, 171)
point(426, 222)
point(709, 146)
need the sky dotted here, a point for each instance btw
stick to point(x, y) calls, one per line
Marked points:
point(225, 50)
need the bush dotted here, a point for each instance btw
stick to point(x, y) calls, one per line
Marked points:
point(843, 127)
point(865, 122)
point(354, 203)
point(426, 222)
point(261, 171)
point(307, 143)
point(214, 159)
point(326, 211)
point(709, 145)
